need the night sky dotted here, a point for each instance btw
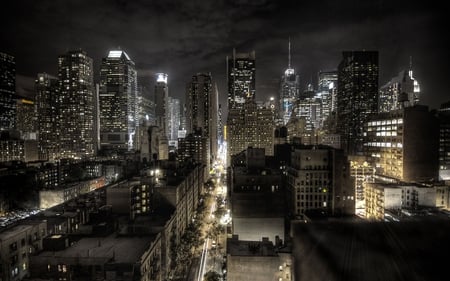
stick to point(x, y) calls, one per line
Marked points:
point(186, 37)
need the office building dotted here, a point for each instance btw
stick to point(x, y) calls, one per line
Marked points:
point(202, 109)
point(76, 110)
point(26, 118)
point(357, 96)
point(327, 92)
point(250, 126)
point(403, 144)
point(289, 91)
point(194, 147)
point(117, 101)
point(161, 103)
point(318, 180)
point(240, 79)
point(48, 117)
point(174, 114)
point(402, 91)
point(7, 92)
point(258, 197)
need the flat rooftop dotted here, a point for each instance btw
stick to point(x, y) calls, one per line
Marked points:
point(250, 248)
point(123, 249)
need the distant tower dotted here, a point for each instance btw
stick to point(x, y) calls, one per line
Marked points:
point(174, 114)
point(289, 90)
point(241, 79)
point(117, 100)
point(415, 98)
point(357, 96)
point(401, 91)
point(161, 113)
point(202, 109)
point(327, 90)
point(76, 114)
point(7, 92)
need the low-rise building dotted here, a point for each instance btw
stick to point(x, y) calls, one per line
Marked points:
point(17, 244)
point(384, 197)
point(257, 260)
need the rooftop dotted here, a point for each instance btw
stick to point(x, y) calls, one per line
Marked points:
point(122, 249)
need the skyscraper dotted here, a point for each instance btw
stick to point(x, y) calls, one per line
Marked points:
point(173, 119)
point(202, 109)
point(241, 79)
point(7, 92)
point(403, 144)
point(26, 118)
point(161, 102)
point(48, 118)
point(289, 90)
point(118, 98)
point(76, 77)
point(327, 91)
point(250, 126)
point(357, 96)
point(402, 91)
point(161, 111)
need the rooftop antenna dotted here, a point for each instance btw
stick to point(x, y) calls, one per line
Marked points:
point(289, 58)
point(410, 72)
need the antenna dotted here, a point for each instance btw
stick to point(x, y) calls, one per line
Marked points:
point(410, 62)
point(289, 58)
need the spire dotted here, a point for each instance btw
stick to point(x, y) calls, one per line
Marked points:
point(289, 58)
point(410, 71)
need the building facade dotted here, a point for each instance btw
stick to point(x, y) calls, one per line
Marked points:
point(241, 79)
point(7, 92)
point(202, 109)
point(357, 96)
point(403, 144)
point(48, 101)
point(250, 126)
point(76, 111)
point(402, 91)
point(117, 101)
point(289, 90)
point(318, 179)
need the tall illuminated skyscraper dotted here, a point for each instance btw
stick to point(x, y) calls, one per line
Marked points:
point(202, 109)
point(48, 117)
point(117, 100)
point(76, 114)
point(357, 96)
point(161, 102)
point(402, 91)
point(241, 79)
point(173, 119)
point(161, 113)
point(7, 92)
point(289, 90)
point(327, 91)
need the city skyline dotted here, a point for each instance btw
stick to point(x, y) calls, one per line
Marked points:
point(182, 39)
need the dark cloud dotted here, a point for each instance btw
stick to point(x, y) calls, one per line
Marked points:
point(186, 37)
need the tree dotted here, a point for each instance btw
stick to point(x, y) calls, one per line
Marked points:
point(211, 276)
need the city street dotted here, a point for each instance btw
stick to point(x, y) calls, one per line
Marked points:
point(214, 248)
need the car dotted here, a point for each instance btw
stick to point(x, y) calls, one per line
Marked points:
point(213, 244)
